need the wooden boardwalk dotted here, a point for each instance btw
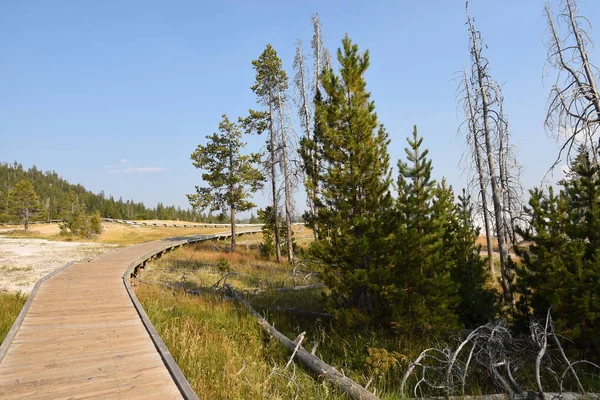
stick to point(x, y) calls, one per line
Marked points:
point(82, 337)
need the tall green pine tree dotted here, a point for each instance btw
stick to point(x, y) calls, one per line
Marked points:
point(425, 295)
point(561, 267)
point(354, 178)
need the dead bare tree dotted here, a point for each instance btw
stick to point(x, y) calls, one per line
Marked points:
point(285, 138)
point(494, 351)
point(574, 99)
point(321, 56)
point(305, 112)
point(308, 92)
point(509, 174)
point(487, 111)
point(473, 140)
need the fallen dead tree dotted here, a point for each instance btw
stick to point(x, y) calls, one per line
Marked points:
point(494, 352)
point(312, 362)
point(215, 290)
point(300, 288)
point(299, 311)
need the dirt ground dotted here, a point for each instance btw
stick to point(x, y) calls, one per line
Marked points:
point(25, 257)
point(23, 261)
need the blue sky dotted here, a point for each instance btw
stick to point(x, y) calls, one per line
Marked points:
point(115, 95)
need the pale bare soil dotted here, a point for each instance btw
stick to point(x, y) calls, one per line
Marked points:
point(23, 261)
point(25, 257)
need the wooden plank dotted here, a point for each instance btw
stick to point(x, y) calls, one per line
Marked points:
point(82, 338)
point(83, 334)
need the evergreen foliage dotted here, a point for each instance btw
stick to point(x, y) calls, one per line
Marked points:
point(355, 199)
point(271, 81)
point(53, 192)
point(266, 217)
point(231, 177)
point(76, 221)
point(271, 78)
point(23, 203)
point(478, 302)
point(561, 267)
point(424, 294)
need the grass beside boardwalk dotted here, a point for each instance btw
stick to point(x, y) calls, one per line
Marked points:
point(10, 307)
point(366, 357)
point(222, 350)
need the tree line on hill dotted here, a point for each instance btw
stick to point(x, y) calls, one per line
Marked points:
point(56, 199)
point(401, 251)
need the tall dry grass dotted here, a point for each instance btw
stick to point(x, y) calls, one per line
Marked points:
point(10, 307)
point(222, 350)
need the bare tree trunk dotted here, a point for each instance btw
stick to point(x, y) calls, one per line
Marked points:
point(474, 130)
point(506, 277)
point(233, 243)
point(287, 185)
point(321, 59)
point(305, 121)
point(503, 178)
point(512, 190)
point(593, 97)
point(272, 150)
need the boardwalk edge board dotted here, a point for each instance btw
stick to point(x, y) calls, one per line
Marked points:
point(17, 324)
point(132, 269)
point(178, 377)
point(180, 380)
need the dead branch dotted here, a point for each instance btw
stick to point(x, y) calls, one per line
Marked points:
point(300, 288)
point(223, 279)
point(574, 100)
point(312, 362)
point(314, 314)
point(298, 342)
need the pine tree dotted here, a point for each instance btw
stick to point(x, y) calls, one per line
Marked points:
point(230, 176)
point(271, 80)
point(425, 294)
point(23, 203)
point(561, 267)
point(266, 217)
point(478, 303)
point(354, 199)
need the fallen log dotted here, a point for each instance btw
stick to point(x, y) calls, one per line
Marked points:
point(312, 362)
point(299, 288)
point(299, 311)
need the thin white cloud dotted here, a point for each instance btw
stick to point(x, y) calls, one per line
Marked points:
point(125, 167)
point(142, 170)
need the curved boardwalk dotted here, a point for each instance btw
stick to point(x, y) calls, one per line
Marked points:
point(83, 338)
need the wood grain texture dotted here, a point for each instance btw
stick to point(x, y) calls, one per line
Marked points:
point(82, 338)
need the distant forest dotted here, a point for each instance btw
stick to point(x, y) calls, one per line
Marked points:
point(56, 194)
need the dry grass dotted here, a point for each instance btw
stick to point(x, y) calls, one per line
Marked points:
point(203, 264)
point(121, 234)
point(128, 234)
point(349, 349)
point(10, 307)
point(113, 233)
point(222, 350)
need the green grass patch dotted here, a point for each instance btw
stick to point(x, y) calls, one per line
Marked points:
point(222, 350)
point(10, 307)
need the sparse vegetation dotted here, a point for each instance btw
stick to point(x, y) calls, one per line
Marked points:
point(222, 350)
point(112, 233)
point(368, 354)
point(10, 307)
